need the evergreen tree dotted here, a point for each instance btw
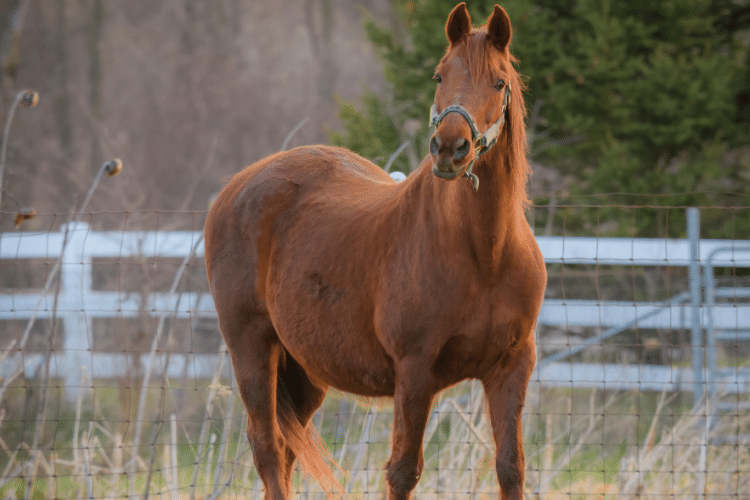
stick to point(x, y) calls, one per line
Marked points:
point(639, 101)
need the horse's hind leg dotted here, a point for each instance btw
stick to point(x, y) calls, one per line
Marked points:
point(272, 386)
point(256, 353)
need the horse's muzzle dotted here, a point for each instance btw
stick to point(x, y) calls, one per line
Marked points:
point(448, 167)
point(450, 155)
point(449, 175)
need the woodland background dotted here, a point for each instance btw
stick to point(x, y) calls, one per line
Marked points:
point(186, 92)
point(630, 103)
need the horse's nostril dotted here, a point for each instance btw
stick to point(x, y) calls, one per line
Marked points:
point(461, 149)
point(434, 145)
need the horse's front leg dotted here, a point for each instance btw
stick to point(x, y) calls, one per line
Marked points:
point(506, 392)
point(412, 400)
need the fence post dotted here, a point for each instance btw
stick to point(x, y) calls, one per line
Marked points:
point(696, 327)
point(75, 288)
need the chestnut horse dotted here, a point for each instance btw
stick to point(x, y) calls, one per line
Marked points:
point(325, 272)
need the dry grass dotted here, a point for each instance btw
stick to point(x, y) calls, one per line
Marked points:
point(199, 450)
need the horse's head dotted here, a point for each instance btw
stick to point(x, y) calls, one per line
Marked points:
point(473, 91)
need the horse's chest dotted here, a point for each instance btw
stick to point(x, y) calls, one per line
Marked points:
point(472, 352)
point(456, 337)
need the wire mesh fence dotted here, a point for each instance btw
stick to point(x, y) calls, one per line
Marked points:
point(115, 382)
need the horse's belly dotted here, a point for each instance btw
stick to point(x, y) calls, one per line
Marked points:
point(376, 381)
point(349, 360)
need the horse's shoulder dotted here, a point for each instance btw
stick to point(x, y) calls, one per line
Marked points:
point(526, 271)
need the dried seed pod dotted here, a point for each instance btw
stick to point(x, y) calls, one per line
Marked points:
point(24, 214)
point(30, 98)
point(113, 167)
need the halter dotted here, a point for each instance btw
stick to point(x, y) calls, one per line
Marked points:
point(482, 142)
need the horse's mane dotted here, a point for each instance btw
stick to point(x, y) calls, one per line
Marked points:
point(482, 57)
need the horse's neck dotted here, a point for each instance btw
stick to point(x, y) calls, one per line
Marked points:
point(481, 222)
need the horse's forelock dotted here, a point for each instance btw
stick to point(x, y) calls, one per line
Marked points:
point(480, 54)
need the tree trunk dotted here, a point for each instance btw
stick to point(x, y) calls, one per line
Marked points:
point(322, 47)
point(13, 17)
point(95, 76)
point(62, 99)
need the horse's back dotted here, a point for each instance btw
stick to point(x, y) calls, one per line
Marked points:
point(257, 207)
point(314, 167)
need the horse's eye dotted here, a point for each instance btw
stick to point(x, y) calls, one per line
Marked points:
point(438, 78)
point(500, 85)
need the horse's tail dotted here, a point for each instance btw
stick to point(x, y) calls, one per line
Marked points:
point(306, 443)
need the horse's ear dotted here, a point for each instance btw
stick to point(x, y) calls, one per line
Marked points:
point(459, 24)
point(498, 29)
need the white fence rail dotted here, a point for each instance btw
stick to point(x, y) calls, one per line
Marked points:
point(78, 304)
